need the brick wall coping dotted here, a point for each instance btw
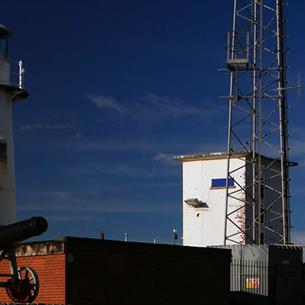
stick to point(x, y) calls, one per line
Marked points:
point(40, 248)
point(64, 244)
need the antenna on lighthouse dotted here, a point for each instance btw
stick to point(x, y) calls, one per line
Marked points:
point(11, 89)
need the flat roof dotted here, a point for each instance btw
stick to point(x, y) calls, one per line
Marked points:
point(222, 155)
point(209, 156)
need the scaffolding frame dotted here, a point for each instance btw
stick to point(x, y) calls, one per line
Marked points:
point(257, 121)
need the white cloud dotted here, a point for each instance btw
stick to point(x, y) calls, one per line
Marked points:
point(130, 146)
point(169, 107)
point(302, 163)
point(297, 147)
point(123, 169)
point(165, 158)
point(152, 106)
point(119, 146)
point(296, 131)
point(297, 191)
point(298, 237)
point(78, 136)
point(78, 217)
point(106, 102)
point(164, 149)
point(37, 126)
point(83, 206)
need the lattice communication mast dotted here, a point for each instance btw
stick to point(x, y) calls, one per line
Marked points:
point(257, 124)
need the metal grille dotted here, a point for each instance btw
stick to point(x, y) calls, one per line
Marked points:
point(259, 282)
point(250, 277)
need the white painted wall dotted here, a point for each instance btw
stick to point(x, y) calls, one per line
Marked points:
point(205, 226)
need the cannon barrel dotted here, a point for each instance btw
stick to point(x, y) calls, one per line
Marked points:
point(19, 231)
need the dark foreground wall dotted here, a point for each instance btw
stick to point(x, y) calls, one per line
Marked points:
point(267, 275)
point(84, 271)
point(111, 272)
point(286, 277)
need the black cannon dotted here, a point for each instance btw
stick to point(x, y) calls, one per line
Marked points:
point(23, 284)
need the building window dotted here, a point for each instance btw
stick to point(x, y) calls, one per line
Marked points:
point(3, 151)
point(221, 183)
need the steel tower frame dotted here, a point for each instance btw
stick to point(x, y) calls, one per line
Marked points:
point(257, 121)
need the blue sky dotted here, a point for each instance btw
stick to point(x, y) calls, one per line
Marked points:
point(117, 88)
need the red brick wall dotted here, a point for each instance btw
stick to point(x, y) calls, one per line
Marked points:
point(51, 273)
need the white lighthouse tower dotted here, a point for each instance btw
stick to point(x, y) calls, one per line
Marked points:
point(11, 90)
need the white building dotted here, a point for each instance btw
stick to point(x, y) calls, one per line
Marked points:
point(11, 90)
point(204, 198)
